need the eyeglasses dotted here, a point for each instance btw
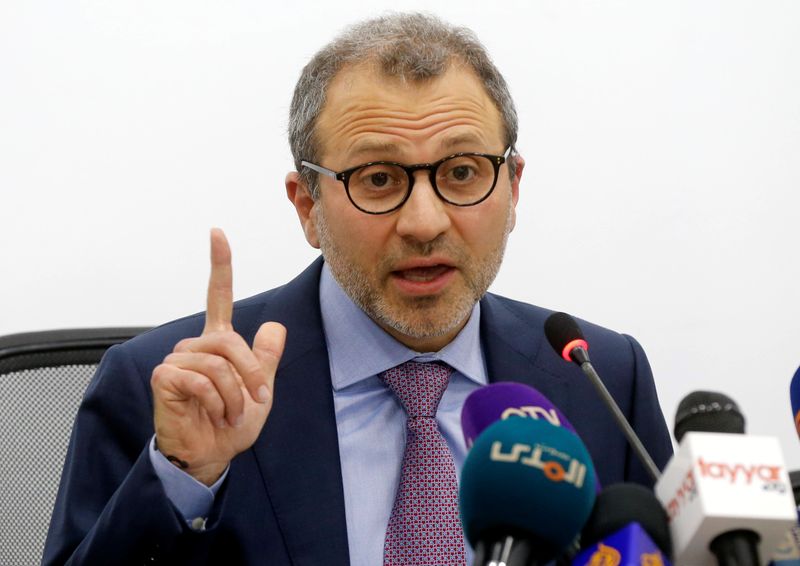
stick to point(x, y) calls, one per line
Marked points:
point(380, 187)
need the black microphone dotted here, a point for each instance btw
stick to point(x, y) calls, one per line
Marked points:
point(727, 494)
point(567, 340)
point(707, 411)
point(627, 527)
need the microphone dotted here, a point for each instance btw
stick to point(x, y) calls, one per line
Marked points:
point(794, 394)
point(788, 551)
point(526, 491)
point(627, 527)
point(727, 495)
point(504, 399)
point(707, 411)
point(567, 340)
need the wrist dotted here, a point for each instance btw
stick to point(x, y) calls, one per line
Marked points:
point(174, 460)
point(206, 474)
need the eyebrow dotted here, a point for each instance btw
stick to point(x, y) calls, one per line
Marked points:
point(461, 139)
point(375, 146)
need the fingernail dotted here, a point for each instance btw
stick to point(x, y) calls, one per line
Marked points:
point(263, 393)
point(221, 423)
point(239, 421)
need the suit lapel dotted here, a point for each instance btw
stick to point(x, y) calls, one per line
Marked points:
point(298, 451)
point(516, 350)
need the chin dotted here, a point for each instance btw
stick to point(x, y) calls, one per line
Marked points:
point(427, 318)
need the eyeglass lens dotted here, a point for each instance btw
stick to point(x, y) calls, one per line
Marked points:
point(463, 180)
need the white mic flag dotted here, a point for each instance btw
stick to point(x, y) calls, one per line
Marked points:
point(717, 483)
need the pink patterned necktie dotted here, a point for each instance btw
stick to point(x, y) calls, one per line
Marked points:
point(424, 528)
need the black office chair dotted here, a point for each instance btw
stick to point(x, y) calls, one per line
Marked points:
point(42, 379)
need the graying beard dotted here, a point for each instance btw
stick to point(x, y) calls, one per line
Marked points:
point(375, 305)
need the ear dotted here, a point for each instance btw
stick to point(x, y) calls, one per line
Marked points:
point(517, 176)
point(520, 161)
point(300, 196)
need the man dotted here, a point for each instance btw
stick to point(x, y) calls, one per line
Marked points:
point(282, 429)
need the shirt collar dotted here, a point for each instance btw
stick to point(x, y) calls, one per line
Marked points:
point(358, 348)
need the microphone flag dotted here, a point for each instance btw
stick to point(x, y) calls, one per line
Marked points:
point(629, 546)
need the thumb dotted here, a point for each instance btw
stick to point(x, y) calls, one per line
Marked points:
point(268, 348)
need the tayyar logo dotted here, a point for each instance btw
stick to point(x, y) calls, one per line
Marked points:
point(684, 495)
point(769, 475)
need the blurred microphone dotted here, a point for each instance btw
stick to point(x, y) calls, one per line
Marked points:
point(788, 551)
point(504, 399)
point(627, 527)
point(727, 495)
point(707, 411)
point(526, 491)
point(794, 394)
point(567, 340)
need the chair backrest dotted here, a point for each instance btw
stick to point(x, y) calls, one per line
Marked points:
point(43, 376)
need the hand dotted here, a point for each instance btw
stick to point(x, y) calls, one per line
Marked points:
point(213, 393)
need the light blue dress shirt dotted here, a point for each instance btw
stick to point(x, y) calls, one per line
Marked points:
point(370, 421)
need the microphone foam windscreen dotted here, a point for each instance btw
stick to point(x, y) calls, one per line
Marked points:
point(525, 475)
point(561, 329)
point(794, 394)
point(624, 503)
point(499, 401)
point(708, 411)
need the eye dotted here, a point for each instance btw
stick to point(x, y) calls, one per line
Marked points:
point(460, 170)
point(462, 173)
point(378, 177)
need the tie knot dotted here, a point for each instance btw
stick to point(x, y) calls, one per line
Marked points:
point(418, 386)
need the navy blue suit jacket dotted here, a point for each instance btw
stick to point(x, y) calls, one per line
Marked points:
point(282, 502)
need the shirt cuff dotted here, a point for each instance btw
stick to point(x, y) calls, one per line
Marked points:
point(191, 498)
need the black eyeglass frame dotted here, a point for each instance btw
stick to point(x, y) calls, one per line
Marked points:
point(344, 176)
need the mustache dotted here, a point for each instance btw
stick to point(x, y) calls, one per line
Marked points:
point(440, 245)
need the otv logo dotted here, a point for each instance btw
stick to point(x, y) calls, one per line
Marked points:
point(533, 412)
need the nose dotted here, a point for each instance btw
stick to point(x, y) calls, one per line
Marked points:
point(424, 216)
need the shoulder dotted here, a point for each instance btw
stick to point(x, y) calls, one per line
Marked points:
point(520, 322)
point(517, 329)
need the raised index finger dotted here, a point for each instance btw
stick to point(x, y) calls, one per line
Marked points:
point(219, 305)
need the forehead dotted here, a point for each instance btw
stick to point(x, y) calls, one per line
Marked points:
point(368, 114)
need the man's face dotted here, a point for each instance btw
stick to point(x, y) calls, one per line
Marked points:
point(419, 270)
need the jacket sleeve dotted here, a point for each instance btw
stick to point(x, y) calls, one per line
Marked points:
point(646, 419)
point(111, 507)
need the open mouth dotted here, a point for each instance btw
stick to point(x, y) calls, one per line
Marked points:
point(423, 274)
point(423, 280)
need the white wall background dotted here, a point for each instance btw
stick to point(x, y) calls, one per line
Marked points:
point(660, 197)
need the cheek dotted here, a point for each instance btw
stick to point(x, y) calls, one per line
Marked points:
point(362, 238)
point(481, 226)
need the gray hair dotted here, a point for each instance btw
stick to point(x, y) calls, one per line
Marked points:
point(409, 46)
